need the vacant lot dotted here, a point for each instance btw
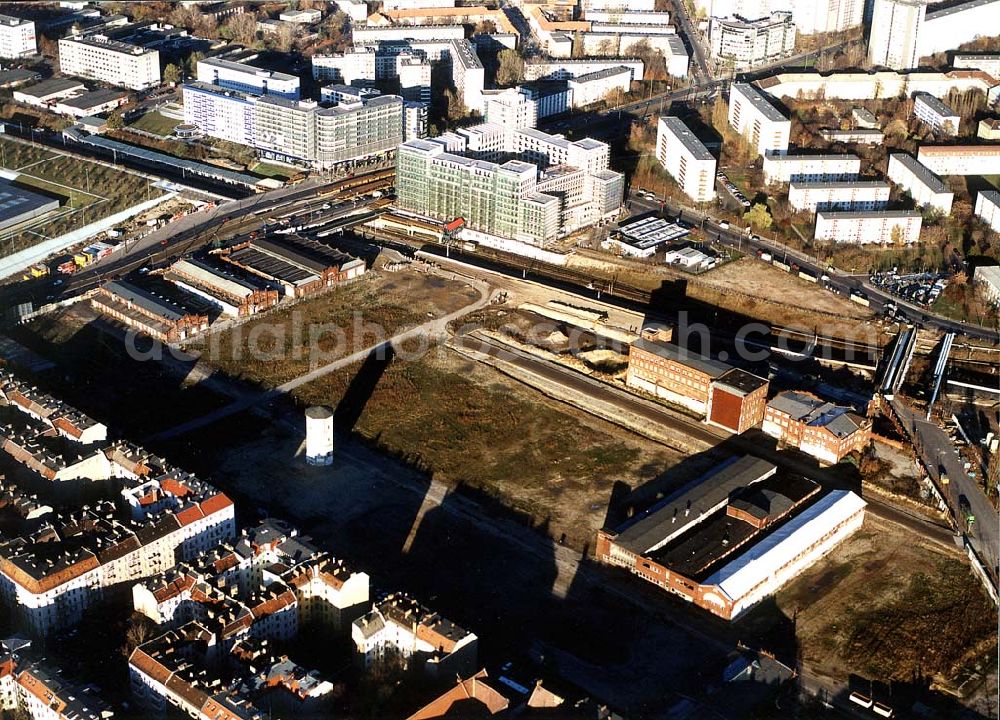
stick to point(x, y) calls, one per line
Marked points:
point(746, 286)
point(886, 605)
point(280, 345)
point(466, 424)
point(87, 191)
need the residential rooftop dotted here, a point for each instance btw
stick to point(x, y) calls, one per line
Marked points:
point(760, 102)
point(681, 131)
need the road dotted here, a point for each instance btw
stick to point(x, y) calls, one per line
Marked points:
point(693, 37)
point(939, 454)
point(840, 281)
point(176, 238)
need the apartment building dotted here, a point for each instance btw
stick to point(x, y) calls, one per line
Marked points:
point(895, 26)
point(415, 120)
point(987, 62)
point(845, 195)
point(349, 67)
point(752, 115)
point(300, 132)
point(116, 63)
point(247, 78)
point(941, 118)
point(903, 31)
point(816, 16)
point(569, 68)
point(987, 277)
point(416, 4)
point(17, 37)
point(726, 396)
point(389, 33)
point(224, 114)
point(823, 430)
point(65, 420)
point(786, 168)
point(988, 208)
point(414, 75)
point(147, 313)
point(746, 43)
point(511, 108)
point(601, 85)
point(552, 187)
point(50, 581)
point(896, 227)
point(960, 159)
point(37, 691)
point(685, 159)
point(926, 188)
point(337, 93)
point(988, 129)
point(421, 638)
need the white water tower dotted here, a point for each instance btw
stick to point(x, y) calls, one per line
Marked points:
point(319, 435)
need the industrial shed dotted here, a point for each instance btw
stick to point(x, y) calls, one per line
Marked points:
point(784, 553)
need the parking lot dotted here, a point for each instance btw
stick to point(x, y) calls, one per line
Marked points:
point(919, 288)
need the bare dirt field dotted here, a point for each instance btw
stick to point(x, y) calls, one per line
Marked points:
point(888, 606)
point(746, 286)
point(468, 425)
point(282, 344)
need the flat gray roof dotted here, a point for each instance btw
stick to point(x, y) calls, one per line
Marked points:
point(923, 173)
point(51, 87)
point(247, 68)
point(836, 184)
point(18, 205)
point(859, 214)
point(944, 12)
point(760, 102)
point(688, 505)
point(687, 138)
point(670, 351)
point(934, 104)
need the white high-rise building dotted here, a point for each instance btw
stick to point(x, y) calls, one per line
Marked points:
point(116, 63)
point(752, 115)
point(347, 67)
point(17, 37)
point(926, 188)
point(903, 31)
point(746, 43)
point(988, 208)
point(686, 159)
point(227, 115)
point(935, 113)
point(414, 120)
point(512, 108)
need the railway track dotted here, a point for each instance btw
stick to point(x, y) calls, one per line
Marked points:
point(626, 295)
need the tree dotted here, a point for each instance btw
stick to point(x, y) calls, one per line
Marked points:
point(606, 47)
point(335, 29)
point(240, 29)
point(896, 236)
point(116, 121)
point(484, 27)
point(456, 108)
point(140, 629)
point(171, 74)
point(511, 68)
point(759, 217)
point(191, 63)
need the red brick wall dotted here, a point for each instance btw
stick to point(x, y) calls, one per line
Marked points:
point(727, 409)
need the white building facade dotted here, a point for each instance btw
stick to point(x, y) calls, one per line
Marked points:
point(988, 208)
point(17, 37)
point(247, 78)
point(752, 115)
point(686, 159)
point(747, 43)
point(785, 168)
point(115, 63)
point(926, 188)
point(848, 195)
point(884, 227)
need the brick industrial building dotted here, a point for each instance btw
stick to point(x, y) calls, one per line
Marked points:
point(734, 537)
point(826, 431)
point(151, 315)
point(235, 295)
point(726, 396)
point(299, 266)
